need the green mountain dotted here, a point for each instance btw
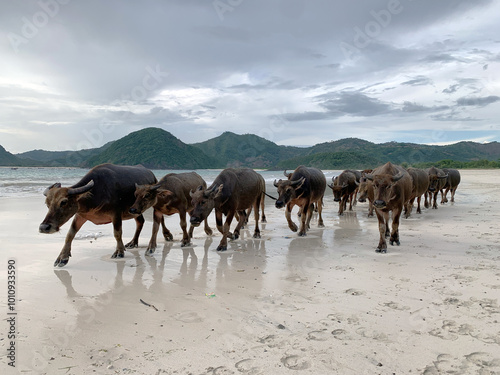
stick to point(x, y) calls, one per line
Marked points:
point(154, 148)
point(247, 150)
point(63, 158)
point(158, 149)
point(9, 160)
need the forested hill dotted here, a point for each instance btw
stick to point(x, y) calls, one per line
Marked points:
point(153, 148)
point(158, 149)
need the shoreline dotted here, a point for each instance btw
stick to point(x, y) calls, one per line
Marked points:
point(326, 303)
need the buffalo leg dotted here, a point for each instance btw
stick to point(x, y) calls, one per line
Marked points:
point(242, 220)
point(117, 232)
point(256, 233)
point(434, 199)
point(419, 211)
point(139, 223)
point(225, 234)
point(426, 202)
point(452, 198)
point(370, 208)
point(185, 234)
point(262, 205)
point(319, 207)
point(157, 220)
point(218, 221)
point(305, 218)
point(288, 215)
point(65, 253)
point(396, 214)
point(382, 217)
point(307, 225)
point(208, 230)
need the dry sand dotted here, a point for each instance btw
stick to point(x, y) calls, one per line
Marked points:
point(324, 304)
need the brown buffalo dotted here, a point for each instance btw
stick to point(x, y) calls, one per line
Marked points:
point(451, 184)
point(171, 195)
point(233, 191)
point(365, 191)
point(392, 186)
point(420, 185)
point(104, 195)
point(437, 180)
point(345, 188)
point(305, 187)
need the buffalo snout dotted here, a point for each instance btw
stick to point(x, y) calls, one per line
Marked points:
point(46, 228)
point(379, 203)
point(336, 199)
point(362, 200)
point(280, 204)
point(195, 221)
point(432, 188)
point(134, 211)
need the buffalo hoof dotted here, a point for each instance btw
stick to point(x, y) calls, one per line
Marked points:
point(208, 232)
point(150, 251)
point(118, 254)
point(321, 225)
point(382, 251)
point(395, 241)
point(221, 248)
point(302, 234)
point(185, 243)
point(61, 262)
point(131, 245)
point(263, 220)
point(256, 235)
point(293, 228)
point(168, 236)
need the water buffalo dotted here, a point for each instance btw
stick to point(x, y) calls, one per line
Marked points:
point(420, 185)
point(451, 184)
point(169, 196)
point(365, 191)
point(233, 191)
point(437, 180)
point(305, 187)
point(104, 195)
point(392, 187)
point(345, 187)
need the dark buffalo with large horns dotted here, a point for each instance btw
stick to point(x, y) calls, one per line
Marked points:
point(104, 195)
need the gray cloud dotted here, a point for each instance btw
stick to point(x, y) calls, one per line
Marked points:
point(478, 101)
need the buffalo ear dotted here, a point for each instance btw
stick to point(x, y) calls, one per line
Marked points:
point(165, 193)
point(56, 185)
point(218, 192)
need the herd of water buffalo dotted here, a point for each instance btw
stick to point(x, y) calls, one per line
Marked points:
point(112, 193)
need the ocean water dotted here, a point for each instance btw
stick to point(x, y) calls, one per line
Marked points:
point(23, 182)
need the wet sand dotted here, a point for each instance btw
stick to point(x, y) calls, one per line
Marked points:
point(323, 304)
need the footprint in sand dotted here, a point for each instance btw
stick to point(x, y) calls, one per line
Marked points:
point(483, 360)
point(188, 317)
point(354, 292)
point(395, 306)
point(341, 334)
point(444, 364)
point(318, 335)
point(340, 318)
point(247, 366)
point(295, 362)
point(221, 370)
point(371, 334)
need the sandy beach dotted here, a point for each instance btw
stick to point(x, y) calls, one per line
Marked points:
point(323, 304)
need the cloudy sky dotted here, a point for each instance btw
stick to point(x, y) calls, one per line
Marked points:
point(77, 74)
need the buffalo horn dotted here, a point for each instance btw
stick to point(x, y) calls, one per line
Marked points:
point(330, 186)
point(369, 176)
point(81, 189)
point(276, 184)
point(299, 181)
point(398, 177)
point(56, 185)
point(443, 176)
point(155, 187)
